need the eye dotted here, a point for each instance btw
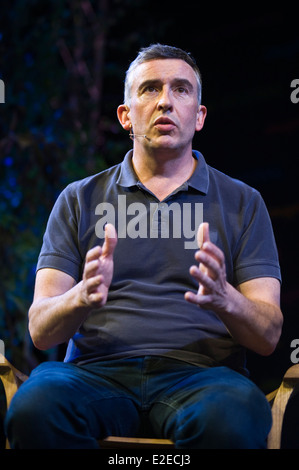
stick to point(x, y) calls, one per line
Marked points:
point(149, 89)
point(182, 90)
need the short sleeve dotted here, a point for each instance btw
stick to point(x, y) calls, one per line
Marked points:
point(256, 252)
point(60, 248)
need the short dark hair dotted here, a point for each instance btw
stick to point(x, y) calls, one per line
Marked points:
point(160, 51)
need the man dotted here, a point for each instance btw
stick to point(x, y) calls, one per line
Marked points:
point(151, 334)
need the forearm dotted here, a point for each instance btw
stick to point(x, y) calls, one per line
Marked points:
point(54, 320)
point(251, 312)
point(60, 306)
point(253, 323)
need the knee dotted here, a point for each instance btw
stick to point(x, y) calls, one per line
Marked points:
point(35, 410)
point(229, 420)
point(24, 418)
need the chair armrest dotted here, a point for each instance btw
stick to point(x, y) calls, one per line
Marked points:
point(283, 394)
point(11, 378)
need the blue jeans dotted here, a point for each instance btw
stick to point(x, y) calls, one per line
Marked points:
point(63, 405)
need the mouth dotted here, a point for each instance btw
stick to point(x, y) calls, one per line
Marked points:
point(164, 124)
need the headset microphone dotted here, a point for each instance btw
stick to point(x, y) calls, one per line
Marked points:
point(132, 136)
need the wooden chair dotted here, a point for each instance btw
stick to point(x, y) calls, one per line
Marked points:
point(115, 442)
point(281, 398)
point(11, 379)
point(278, 399)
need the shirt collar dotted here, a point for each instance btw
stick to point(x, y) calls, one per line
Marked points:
point(200, 177)
point(127, 176)
point(199, 180)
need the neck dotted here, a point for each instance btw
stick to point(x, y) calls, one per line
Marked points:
point(163, 171)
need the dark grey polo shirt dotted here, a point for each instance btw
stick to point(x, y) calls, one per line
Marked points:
point(146, 313)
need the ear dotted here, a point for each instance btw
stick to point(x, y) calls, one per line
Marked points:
point(201, 116)
point(123, 117)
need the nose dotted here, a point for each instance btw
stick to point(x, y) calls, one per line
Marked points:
point(164, 101)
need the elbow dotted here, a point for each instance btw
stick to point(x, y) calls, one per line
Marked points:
point(36, 332)
point(37, 339)
point(274, 337)
point(267, 349)
point(33, 331)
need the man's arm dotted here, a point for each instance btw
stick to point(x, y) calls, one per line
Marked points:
point(251, 312)
point(60, 305)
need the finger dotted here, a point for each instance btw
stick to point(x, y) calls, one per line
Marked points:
point(199, 300)
point(202, 237)
point(110, 240)
point(204, 280)
point(191, 297)
point(203, 234)
point(209, 264)
point(212, 250)
point(91, 268)
point(97, 299)
point(93, 284)
point(93, 254)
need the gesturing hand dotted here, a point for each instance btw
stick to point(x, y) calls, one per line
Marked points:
point(212, 293)
point(98, 271)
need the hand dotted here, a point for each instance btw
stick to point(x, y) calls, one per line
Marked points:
point(98, 271)
point(251, 312)
point(213, 291)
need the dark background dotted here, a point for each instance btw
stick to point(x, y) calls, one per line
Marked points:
point(63, 64)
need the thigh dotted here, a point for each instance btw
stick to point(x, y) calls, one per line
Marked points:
point(213, 408)
point(67, 406)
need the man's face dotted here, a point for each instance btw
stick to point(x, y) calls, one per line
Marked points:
point(164, 104)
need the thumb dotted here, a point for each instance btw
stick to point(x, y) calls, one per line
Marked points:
point(110, 240)
point(203, 234)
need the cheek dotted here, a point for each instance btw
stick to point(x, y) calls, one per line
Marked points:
point(140, 115)
point(191, 121)
point(188, 113)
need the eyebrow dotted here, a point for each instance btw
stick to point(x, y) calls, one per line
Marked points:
point(158, 82)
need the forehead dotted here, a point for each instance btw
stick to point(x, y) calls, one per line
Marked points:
point(164, 70)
